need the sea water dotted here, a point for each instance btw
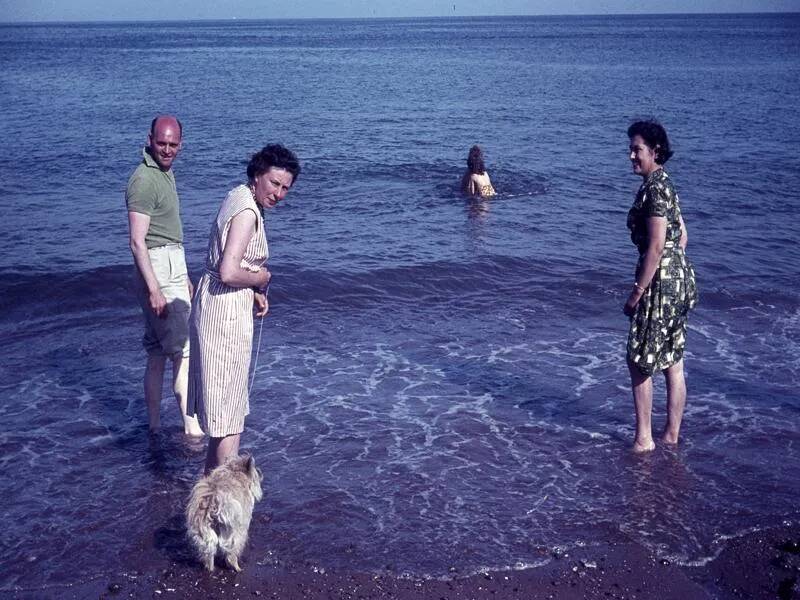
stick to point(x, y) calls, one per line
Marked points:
point(441, 384)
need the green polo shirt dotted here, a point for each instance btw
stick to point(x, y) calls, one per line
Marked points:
point(152, 192)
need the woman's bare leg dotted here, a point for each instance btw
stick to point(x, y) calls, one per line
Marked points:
point(219, 449)
point(180, 385)
point(642, 386)
point(676, 402)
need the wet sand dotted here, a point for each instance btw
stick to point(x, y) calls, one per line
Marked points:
point(758, 565)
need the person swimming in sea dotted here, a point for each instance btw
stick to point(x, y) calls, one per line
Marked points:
point(475, 181)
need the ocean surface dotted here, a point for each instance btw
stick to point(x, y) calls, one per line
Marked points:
point(440, 385)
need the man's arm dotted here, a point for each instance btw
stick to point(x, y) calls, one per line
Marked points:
point(139, 223)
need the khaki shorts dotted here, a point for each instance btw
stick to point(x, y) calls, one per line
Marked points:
point(168, 336)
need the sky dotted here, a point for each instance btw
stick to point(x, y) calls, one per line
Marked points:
point(129, 10)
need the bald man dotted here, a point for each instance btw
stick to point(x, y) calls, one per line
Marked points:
point(162, 282)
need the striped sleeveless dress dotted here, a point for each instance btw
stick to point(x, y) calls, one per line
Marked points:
point(221, 328)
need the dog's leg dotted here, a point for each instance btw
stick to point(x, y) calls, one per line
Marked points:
point(236, 544)
point(208, 560)
point(228, 546)
point(205, 543)
point(233, 561)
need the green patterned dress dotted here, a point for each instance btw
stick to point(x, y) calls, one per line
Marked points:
point(657, 335)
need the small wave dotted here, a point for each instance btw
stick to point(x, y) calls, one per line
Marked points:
point(31, 294)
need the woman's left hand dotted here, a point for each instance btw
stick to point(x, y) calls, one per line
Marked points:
point(260, 304)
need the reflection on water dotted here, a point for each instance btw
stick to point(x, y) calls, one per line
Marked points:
point(170, 451)
point(477, 228)
point(662, 499)
point(479, 208)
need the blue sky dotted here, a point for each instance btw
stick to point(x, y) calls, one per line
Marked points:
point(110, 10)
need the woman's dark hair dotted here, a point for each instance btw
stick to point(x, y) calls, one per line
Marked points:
point(655, 136)
point(273, 155)
point(475, 160)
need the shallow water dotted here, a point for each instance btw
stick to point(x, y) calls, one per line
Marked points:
point(440, 383)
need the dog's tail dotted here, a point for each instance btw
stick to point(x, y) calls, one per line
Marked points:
point(200, 513)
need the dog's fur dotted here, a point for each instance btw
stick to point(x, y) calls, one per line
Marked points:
point(220, 508)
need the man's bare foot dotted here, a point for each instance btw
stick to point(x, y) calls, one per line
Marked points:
point(647, 446)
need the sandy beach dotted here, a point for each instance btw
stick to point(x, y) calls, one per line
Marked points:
point(763, 564)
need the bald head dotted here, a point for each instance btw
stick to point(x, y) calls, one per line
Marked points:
point(164, 141)
point(162, 118)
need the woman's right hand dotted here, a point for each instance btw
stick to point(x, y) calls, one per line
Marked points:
point(260, 304)
point(633, 299)
point(267, 276)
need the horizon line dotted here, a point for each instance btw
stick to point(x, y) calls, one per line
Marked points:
point(367, 18)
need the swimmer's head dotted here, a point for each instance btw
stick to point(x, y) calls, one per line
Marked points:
point(475, 160)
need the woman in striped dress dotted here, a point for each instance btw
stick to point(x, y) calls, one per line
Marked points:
point(233, 285)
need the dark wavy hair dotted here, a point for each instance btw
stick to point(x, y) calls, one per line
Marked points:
point(273, 155)
point(475, 160)
point(655, 136)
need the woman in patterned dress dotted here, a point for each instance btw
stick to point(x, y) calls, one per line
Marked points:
point(233, 285)
point(664, 289)
point(475, 181)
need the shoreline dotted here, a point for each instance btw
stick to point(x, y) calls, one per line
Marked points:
point(763, 564)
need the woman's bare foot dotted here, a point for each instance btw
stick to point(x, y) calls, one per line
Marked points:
point(669, 438)
point(191, 427)
point(641, 447)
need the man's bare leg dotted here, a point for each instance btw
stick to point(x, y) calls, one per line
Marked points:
point(153, 382)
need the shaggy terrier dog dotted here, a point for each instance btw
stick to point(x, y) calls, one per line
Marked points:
point(220, 508)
